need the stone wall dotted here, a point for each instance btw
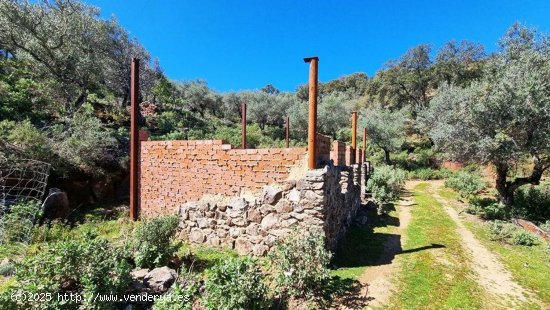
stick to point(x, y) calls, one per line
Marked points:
point(247, 199)
point(250, 224)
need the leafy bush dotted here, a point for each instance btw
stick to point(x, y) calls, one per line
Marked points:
point(152, 246)
point(181, 295)
point(17, 221)
point(488, 208)
point(50, 232)
point(85, 266)
point(501, 231)
point(299, 264)
point(465, 183)
point(545, 226)
point(533, 202)
point(509, 233)
point(429, 174)
point(236, 283)
point(385, 183)
point(522, 237)
point(422, 157)
point(7, 269)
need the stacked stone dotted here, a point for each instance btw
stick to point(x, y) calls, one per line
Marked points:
point(252, 225)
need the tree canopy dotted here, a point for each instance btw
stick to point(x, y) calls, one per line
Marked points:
point(502, 118)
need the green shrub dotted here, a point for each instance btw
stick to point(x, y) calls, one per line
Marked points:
point(299, 264)
point(533, 202)
point(17, 221)
point(7, 269)
point(488, 208)
point(521, 237)
point(385, 183)
point(510, 233)
point(546, 226)
point(465, 183)
point(495, 211)
point(152, 243)
point(501, 231)
point(85, 266)
point(429, 174)
point(181, 295)
point(236, 283)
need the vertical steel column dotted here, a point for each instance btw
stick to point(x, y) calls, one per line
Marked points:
point(134, 139)
point(243, 129)
point(287, 132)
point(364, 144)
point(354, 137)
point(312, 123)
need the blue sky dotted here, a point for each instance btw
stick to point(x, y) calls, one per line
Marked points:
point(239, 44)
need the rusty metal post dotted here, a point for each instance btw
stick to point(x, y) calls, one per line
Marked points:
point(364, 144)
point(287, 132)
point(134, 139)
point(243, 129)
point(354, 137)
point(312, 123)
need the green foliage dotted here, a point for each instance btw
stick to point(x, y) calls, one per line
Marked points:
point(7, 269)
point(501, 118)
point(86, 265)
point(522, 237)
point(299, 264)
point(488, 209)
point(421, 157)
point(501, 231)
point(533, 202)
point(17, 220)
point(404, 82)
point(236, 283)
point(385, 183)
point(546, 226)
point(385, 128)
point(510, 233)
point(465, 183)
point(181, 295)
point(429, 174)
point(152, 246)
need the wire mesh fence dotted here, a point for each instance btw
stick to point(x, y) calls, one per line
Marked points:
point(22, 187)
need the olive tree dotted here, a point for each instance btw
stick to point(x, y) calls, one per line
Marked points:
point(385, 128)
point(502, 118)
point(405, 82)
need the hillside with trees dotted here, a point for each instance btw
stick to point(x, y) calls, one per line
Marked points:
point(65, 101)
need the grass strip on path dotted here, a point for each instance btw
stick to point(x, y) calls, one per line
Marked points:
point(435, 267)
point(530, 266)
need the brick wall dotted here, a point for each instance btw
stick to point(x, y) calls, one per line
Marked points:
point(322, 148)
point(350, 158)
point(338, 153)
point(176, 172)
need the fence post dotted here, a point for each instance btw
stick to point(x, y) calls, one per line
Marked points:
point(134, 139)
point(287, 133)
point(243, 127)
point(353, 137)
point(364, 144)
point(312, 121)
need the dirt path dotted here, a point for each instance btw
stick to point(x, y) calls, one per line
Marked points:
point(489, 272)
point(377, 281)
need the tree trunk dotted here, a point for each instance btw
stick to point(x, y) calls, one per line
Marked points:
point(506, 189)
point(504, 194)
point(387, 157)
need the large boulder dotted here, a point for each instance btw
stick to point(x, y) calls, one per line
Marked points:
point(56, 205)
point(160, 279)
